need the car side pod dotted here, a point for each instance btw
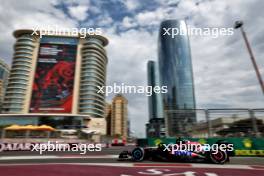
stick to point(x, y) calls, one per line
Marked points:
point(124, 155)
point(138, 154)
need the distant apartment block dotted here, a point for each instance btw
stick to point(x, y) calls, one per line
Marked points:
point(116, 117)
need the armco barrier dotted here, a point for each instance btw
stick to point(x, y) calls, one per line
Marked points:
point(245, 146)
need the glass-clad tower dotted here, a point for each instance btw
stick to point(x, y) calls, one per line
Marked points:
point(175, 66)
point(155, 100)
point(155, 126)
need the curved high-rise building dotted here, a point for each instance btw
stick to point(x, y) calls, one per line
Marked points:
point(93, 73)
point(18, 85)
point(57, 74)
point(175, 67)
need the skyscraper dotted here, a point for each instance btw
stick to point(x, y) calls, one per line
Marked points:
point(56, 76)
point(175, 67)
point(155, 100)
point(155, 127)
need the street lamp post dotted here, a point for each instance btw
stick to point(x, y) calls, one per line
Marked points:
point(239, 24)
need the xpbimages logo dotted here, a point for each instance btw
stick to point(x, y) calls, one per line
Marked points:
point(55, 30)
point(49, 146)
point(197, 147)
point(214, 32)
point(80, 147)
point(128, 89)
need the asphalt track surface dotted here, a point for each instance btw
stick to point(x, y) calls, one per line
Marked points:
point(105, 163)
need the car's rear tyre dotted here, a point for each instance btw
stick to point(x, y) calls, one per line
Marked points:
point(220, 157)
point(138, 154)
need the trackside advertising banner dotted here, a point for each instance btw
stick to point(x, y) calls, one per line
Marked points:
point(54, 78)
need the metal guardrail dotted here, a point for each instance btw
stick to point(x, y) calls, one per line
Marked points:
point(229, 122)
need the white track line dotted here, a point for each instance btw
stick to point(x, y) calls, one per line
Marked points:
point(56, 157)
point(90, 157)
point(246, 167)
point(27, 157)
point(222, 166)
point(120, 164)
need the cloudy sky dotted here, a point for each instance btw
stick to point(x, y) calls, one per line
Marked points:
point(223, 73)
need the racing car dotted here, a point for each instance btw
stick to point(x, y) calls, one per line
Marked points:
point(163, 153)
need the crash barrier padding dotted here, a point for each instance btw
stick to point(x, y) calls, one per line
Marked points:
point(243, 146)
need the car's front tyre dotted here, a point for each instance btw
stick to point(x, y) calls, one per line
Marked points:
point(138, 154)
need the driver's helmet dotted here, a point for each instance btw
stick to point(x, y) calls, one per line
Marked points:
point(183, 141)
point(178, 140)
point(161, 146)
